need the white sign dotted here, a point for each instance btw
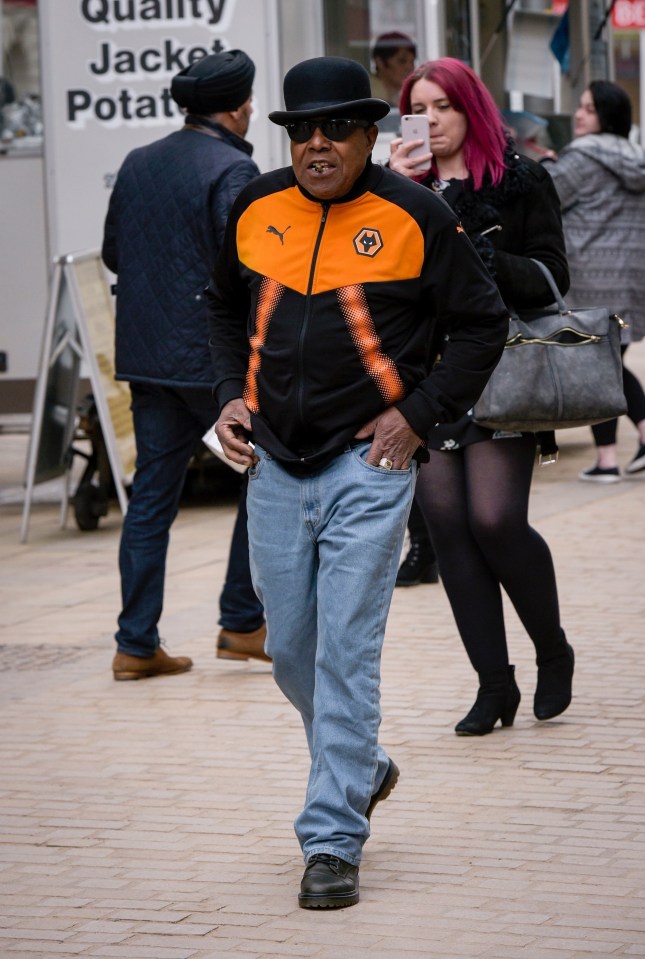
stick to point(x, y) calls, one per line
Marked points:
point(107, 67)
point(529, 62)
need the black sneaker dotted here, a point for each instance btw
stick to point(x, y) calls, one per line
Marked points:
point(638, 463)
point(599, 475)
point(328, 883)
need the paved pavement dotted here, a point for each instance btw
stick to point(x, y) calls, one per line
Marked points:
point(152, 820)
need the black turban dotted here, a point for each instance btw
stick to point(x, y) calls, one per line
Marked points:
point(214, 84)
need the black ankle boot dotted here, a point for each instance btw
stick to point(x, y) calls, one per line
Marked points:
point(419, 566)
point(555, 679)
point(498, 697)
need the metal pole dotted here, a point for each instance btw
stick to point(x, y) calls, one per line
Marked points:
point(642, 86)
point(475, 48)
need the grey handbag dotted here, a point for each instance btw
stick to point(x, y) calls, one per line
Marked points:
point(560, 368)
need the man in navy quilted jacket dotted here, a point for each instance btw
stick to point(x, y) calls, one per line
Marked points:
point(163, 231)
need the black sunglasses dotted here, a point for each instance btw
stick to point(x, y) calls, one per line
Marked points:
point(337, 130)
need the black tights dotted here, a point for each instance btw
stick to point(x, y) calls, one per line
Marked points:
point(475, 501)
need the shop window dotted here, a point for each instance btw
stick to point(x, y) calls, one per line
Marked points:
point(20, 102)
point(383, 36)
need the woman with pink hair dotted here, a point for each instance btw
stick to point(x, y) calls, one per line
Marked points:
point(474, 491)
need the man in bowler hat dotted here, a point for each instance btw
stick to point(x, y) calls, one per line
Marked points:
point(164, 227)
point(337, 282)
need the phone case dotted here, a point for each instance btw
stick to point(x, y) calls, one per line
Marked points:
point(417, 127)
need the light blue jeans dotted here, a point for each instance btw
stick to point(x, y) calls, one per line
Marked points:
point(324, 556)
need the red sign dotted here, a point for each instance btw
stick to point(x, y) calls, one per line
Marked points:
point(628, 15)
point(559, 6)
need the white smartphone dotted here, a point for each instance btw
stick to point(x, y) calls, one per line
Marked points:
point(417, 127)
point(211, 440)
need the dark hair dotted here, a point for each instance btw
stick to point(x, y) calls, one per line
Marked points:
point(387, 44)
point(613, 107)
point(485, 141)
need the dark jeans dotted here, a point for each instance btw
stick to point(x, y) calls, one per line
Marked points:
point(418, 530)
point(168, 424)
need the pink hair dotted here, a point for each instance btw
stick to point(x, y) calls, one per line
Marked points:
point(485, 140)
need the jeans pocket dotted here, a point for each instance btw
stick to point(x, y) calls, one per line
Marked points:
point(255, 470)
point(361, 450)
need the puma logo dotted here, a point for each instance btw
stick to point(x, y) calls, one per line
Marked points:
point(272, 229)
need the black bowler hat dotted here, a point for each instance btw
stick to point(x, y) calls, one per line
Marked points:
point(326, 87)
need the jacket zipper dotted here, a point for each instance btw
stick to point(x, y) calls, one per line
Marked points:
point(307, 313)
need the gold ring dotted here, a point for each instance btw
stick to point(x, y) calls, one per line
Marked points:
point(385, 463)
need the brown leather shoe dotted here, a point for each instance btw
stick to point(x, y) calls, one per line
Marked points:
point(231, 645)
point(138, 667)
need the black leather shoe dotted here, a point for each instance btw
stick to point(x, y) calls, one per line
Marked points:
point(419, 566)
point(389, 782)
point(328, 883)
point(554, 685)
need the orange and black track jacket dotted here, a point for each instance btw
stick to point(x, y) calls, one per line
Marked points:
point(323, 314)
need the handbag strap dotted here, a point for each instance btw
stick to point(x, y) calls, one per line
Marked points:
point(559, 299)
point(557, 296)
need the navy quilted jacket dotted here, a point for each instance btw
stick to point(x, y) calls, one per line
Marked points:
point(163, 231)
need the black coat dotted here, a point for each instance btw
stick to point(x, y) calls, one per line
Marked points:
point(526, 207)
point(163, 231)
point(523, 211)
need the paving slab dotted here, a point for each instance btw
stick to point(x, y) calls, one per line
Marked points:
point(153, 820)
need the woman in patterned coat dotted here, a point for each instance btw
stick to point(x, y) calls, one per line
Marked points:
point(600, 178)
